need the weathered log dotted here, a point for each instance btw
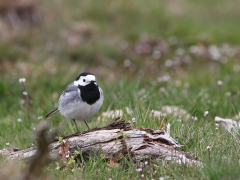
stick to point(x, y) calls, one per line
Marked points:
point(118, 139)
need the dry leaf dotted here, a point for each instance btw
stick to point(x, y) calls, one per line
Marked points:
point(112, 164)
point(64, 152)
point(237, 117)
point(155, 113)
point(227, 124)
point(114, 113)
point(174, 110)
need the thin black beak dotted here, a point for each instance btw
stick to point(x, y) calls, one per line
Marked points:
point(92, 81)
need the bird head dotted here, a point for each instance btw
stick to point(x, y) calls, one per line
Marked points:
point(84, 79)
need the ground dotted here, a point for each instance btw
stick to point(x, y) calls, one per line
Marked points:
point(145, 55)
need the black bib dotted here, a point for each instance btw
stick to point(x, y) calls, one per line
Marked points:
point(89, 93)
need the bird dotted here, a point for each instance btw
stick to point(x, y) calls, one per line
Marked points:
point(80, 100)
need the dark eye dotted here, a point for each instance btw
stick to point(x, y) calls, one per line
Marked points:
point(84, 80)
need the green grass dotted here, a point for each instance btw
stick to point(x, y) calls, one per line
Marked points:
point(98, 36)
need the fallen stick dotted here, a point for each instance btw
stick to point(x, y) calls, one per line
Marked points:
point(119, 140)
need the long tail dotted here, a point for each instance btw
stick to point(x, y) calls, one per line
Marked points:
point(51, 113)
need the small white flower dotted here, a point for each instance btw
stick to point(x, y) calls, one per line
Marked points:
point(7, 144)
point(133, 119)
point(214, 52)
point(168, 63)
point(25, 93)
point(208, 148)
point(67, 156)
point(127, 63)
point(40, 117)
point(19, 120)
point(228, 94)
point(156, 54)
point(139, 169)
point(146, 163)
point(194, 118)
point(163, 115)
point(22, 80)
point(142, 175)
point(162, 89)
point(206, 113)
point(219, 82)
point(163, 78)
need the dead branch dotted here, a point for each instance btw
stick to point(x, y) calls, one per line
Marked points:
point(117, 140)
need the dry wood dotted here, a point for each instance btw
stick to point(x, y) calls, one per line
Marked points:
point(117, 140)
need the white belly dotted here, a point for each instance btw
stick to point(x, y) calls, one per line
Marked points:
point(80, 111)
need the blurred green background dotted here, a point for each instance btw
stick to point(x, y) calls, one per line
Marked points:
point(145, 54)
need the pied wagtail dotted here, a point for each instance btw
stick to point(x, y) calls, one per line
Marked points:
point(80, 100)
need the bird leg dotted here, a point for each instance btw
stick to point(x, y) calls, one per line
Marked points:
point(86, 124)
point(76, 125)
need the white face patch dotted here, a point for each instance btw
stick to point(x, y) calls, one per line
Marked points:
point(85, 80)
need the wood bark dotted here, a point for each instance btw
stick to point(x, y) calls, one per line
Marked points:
point(117, 140)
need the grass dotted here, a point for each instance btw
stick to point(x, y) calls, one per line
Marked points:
point(102, 37)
